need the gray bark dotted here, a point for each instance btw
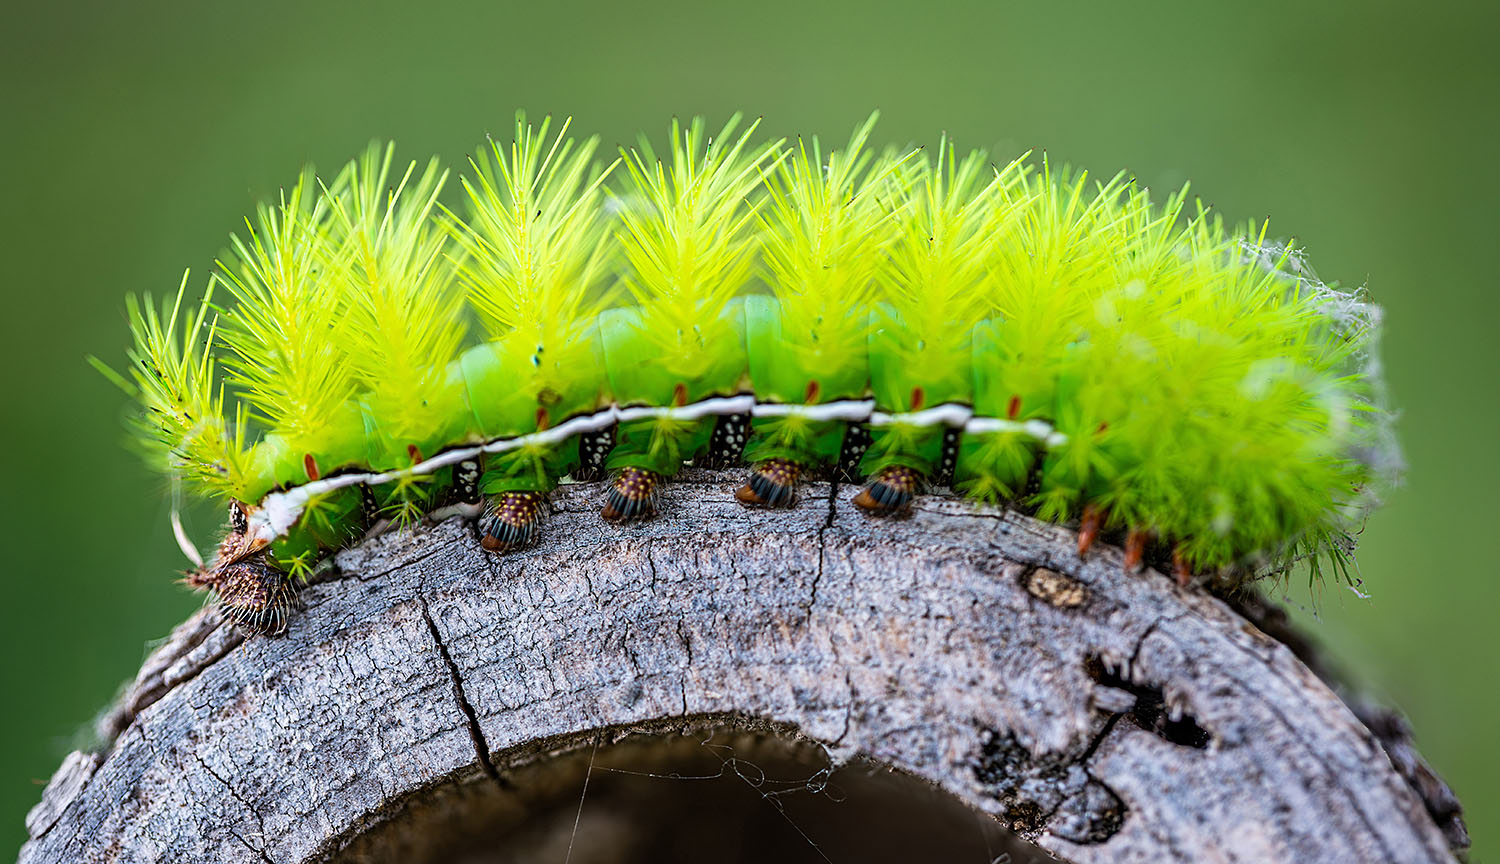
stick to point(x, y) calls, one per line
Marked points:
point(1105, 717)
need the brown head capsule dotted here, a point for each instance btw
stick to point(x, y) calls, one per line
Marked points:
point(251, 593)
point(256, 596)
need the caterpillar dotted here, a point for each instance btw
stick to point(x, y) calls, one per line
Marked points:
point(1022, 333)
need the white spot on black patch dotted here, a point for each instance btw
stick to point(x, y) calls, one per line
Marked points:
point(593, 450)
point(238, 523)
point(369, 505)
point(727, 445)
point(466, 481)
point(856, 442)
point(949, 460)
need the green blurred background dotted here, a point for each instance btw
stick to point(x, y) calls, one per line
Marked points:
point(138, 135)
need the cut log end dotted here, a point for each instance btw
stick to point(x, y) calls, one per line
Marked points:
point(958, 676)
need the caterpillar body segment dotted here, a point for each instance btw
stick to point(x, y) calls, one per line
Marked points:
point(899, 319)
point(900, 450)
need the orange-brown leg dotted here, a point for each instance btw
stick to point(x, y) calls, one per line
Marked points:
point(1180, 569)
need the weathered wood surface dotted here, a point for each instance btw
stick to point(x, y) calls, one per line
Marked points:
point(968, 647)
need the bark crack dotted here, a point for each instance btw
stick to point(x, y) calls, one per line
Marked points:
point(687, 645)
point(476, 735)
point(1140, 643)
point(339, 574)
point(248, 845)
point(833, 498)
point(848, 708)
point(1109, 725)
point(250, 808)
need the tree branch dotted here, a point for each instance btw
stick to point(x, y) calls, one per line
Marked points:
point(1105, 717)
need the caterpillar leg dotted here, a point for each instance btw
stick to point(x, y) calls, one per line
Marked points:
point(646, 453)
point(890, 491)
point(632, 496)
point(511, 520)
point(773, 483)
point(250, 592)
point(782, 449)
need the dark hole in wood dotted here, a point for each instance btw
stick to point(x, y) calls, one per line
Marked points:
point(1150, 709)
point(726, 798)
point(1048, 792)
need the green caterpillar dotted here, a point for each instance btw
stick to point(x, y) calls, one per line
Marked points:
point(1020, 333)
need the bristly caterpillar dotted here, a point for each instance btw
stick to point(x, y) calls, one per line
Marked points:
point(1020, 333)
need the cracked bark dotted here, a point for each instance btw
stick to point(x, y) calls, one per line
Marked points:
point(1103, 717)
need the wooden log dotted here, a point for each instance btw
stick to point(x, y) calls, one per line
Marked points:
point(1099, 715)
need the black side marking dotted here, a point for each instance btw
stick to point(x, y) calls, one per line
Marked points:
point(238, 522)
point(727, 445)
point(949, 460)
point(593, 450)
point(856, 442)
point(369, 505)
point(465, 483)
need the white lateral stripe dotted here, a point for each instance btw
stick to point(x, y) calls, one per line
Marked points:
point(279, 511)
point(714, 407)
point(1038, 429)
point(848, 410)
point(947, 414)
point(556, 435)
